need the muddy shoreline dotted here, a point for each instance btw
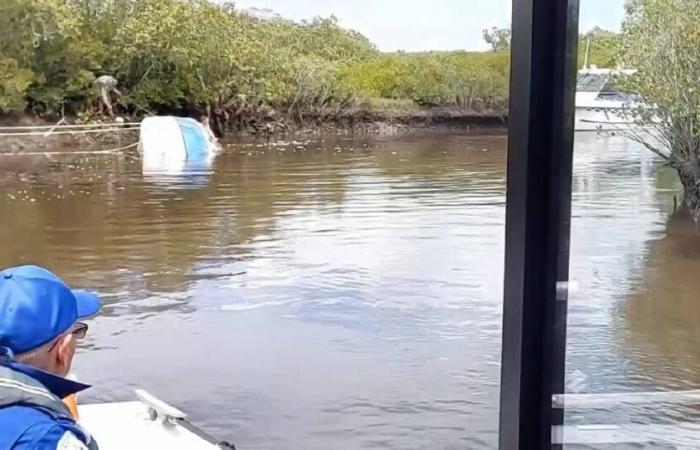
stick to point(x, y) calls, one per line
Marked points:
point(370, 124)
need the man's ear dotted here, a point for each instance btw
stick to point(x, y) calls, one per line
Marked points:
point(64, 352)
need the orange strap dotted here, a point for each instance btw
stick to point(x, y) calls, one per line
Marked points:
point(72, 403)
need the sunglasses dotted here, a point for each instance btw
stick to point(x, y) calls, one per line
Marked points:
point(79, 331)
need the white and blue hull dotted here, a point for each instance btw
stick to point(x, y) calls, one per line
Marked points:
point(175, 146)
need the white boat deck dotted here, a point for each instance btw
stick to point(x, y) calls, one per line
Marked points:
point(127, 425)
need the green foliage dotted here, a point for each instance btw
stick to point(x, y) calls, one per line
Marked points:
point(468, 81)
point(662, 41)
point(175, 55)
point(169, 55)
point(172, 55)
point(14, 82)
point(497, 38)
point(44, 38)
point(603, 48)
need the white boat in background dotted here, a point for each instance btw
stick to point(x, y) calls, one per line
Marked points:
point(147, 423)
point(599, 105)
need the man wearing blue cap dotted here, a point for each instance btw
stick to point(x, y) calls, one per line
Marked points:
point(39, 332)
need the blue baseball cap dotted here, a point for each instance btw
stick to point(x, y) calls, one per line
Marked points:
point(36, 307)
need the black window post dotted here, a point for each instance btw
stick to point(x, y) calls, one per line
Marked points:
point(538, 214)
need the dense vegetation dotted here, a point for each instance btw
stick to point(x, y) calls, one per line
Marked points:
point(169, 55)
point(603, 48)
point(469, 81)
point(192, 55)
point(661, 39)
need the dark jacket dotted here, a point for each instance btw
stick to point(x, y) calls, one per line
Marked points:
point(32, 415)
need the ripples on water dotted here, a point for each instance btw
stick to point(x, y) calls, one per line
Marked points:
point(344, 293)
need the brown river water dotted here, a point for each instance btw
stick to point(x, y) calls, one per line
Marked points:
point(347, 293)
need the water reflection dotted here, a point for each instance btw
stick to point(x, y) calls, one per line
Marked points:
point(369, 310)
point(663, 312)
point(616, 211)
point(621, 249)
point(655, 331)
point(352, 276)
point(177, 173)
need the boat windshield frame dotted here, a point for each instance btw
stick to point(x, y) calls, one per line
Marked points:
point(591, 82)
point(544, 55)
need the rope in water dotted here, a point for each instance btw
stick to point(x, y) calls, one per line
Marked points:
point(76, 152)
point(67, 125)
point(53, 133)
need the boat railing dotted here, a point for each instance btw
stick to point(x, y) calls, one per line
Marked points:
point(590, 401)
point(682, 435)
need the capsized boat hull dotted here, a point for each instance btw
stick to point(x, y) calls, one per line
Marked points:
point(176, 150)
point(175, 138)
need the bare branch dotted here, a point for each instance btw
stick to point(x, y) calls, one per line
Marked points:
point(645, 142)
